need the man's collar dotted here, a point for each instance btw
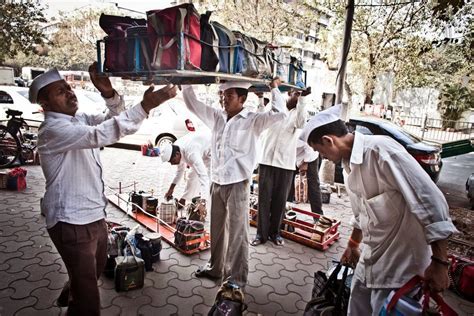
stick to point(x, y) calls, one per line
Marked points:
point(244, 113)
point(357, 155)
point(52, 114)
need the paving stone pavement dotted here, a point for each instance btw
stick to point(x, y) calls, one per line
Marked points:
point(32, 273)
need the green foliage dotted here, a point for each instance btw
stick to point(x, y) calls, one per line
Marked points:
point(73, 43)
point(20, 28)
point(265, 20)
point(455, 98)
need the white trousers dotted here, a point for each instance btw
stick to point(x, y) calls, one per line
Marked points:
point(364, 301)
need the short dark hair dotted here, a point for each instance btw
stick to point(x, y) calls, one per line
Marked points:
point(174, 150)
point(242, 92)
point(42, 95)
point(337, 128)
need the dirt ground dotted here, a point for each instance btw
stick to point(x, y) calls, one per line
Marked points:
point(462, 244)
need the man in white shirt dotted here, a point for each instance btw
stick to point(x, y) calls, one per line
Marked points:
point(74, 202)
point(400, 216)
point(234, 135)
point(276, 169)
point(194, 151)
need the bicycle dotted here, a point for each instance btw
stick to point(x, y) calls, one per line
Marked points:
point(14, 144)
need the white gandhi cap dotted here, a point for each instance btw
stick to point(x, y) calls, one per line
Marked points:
point(165, 152)
point(42, 81)
point(327, 116)
point(235, 84)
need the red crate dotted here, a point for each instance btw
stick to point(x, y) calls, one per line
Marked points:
point(304, 230)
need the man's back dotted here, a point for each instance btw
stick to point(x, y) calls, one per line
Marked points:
point(199, 142)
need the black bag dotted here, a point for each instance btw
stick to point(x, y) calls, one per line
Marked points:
point(115, 240)
point(194, 230)
point(145, 246)
point(109, 269)
point(155, 240)
point(329, 298)
point(209, 44)
point(129, 272)
point(229, 301)
point(265, 58)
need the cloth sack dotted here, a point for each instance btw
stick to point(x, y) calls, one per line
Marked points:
point(16, 179)
point(116, 58)
point(165, 28)
point(461, 275)
point(226, 42)
point(404, 302)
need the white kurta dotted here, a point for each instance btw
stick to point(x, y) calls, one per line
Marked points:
point(195, 151)
point(234, 141)
point(398, 208)
point(70, 159)
point(279, 143)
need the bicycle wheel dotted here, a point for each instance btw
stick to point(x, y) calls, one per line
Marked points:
point(10, 148)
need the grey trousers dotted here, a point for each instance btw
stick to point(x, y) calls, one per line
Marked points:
point(273, 188)
point(229, 232)
point(314, 191)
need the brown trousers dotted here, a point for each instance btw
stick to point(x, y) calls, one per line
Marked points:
point(83, 249)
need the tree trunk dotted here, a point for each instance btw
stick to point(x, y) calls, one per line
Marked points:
point(348, 89)
point(369, 90)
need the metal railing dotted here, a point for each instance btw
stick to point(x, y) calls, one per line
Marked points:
point(436, 130)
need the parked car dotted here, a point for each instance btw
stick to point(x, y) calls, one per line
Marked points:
point(470, 190)
point(165, 124)
point(16, 98)
point(427, 154)
point(170, 121)
point(89, 101)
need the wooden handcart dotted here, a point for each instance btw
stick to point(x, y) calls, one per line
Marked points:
point(155, 224)
point(304, 232)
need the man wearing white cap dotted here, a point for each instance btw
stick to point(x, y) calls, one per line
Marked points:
point(74, 202)
point(194, 151)
point(276, 169)
point(400, 216)
point(234, 135)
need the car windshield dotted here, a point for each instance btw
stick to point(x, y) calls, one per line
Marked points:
point(401, 134)
point(23, 93)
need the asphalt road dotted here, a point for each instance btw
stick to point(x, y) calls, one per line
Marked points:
point(452, 181)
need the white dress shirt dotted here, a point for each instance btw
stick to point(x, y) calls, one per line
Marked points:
point(233, 141)
point(195, 149)
point(398, 208)
point(69, 152)
point(279, 143)
point(304, 153)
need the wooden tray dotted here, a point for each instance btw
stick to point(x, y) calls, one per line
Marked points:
point(120, 200)
point(304, 230)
